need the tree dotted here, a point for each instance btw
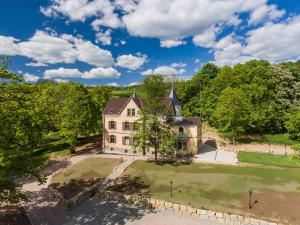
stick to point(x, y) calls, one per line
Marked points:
point(210, 70)
point(4, 73)
point(78, 115)
point(154, 133)
point(153, 130)
point(22, 129)
point(293, 124)
point(232, 113)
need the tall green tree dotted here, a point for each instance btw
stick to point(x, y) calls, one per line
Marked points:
point(78, 115)
point(232, 113)
point(293, 124)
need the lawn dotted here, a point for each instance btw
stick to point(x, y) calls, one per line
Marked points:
point(223, 188)
point(268, 159)
point(72, 180)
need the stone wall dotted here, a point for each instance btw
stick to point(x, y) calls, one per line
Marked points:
point(148, 202)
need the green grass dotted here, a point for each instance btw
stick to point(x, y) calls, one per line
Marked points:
point(86, 169)
point(267, 159)
point(224, 188)
point(273, 139)
point(280, 139)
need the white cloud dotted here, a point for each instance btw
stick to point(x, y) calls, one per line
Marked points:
point(113, 84)
point(178, 19)
point(275, 42)
point(265, 12)
point(58, 80)
point(29, 78)
point(36, 64)
point(175, 65)
point(45, 48)
point(80, 10)
point(104, 37)
point(8, 46)
point(206, 39)
point(197, 61)
point(123, 42)
point(126, 5)
point(169, 43)
point(133, 83)
point(164, 70)
point(62, 72)
point(131, 62)
point(101, 73)
point(94, 73)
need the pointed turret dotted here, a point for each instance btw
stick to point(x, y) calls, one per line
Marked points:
point(176, 101)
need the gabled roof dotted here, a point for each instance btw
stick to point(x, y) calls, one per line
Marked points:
point(117, 105)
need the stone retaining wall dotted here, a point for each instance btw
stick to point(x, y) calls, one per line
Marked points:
point(76, 200)
point(147, 202)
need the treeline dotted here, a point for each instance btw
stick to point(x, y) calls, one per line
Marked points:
point(255, 97)
point(31, 114)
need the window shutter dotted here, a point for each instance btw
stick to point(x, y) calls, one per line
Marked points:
point(115, 125)
point(131, 141)
point(109, 124)
point(123, 125)
point(123, 140)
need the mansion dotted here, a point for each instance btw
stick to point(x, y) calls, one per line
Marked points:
point(120, 115)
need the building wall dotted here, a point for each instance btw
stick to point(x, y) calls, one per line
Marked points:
point(119, 132)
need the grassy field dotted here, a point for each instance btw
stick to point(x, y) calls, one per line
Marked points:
point(280, 139)
point(74, 179)
point(267, 159)
point(224, 188)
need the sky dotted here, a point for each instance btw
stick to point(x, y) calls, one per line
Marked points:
point(119, 42)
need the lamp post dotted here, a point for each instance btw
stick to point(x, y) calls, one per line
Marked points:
point(171, 188)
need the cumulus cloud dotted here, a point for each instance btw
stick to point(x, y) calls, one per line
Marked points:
point(62, 72)
point(275, 42)
point(131, 62)
point(169, 43)
point(176, 65)
point(46, 48)
point(29, 78)
point(113, 84)
point(104, 37)
point(206, 39)
point(265, 12)
point(95, 73)
point(36, 64)
point(80, 10)
point(164, 70)
point(178, 19)
point(101, 73)
point(133, 83)
point(58, 80)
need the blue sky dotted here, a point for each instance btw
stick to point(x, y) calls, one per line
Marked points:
point(119, 42)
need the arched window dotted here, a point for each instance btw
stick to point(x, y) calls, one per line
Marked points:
point(181, 130)
point(112, 139)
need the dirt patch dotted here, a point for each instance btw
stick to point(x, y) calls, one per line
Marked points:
point(13, 215)
point(278, 206)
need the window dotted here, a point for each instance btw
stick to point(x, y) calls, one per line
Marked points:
point(126, 140)
point(181, 130)
point(112, 139)
point(130, 112)
point(111, 124)
point(126, 126)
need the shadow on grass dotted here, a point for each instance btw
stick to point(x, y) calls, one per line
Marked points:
point(171, 162)
point(74, 187)
point(130, 185)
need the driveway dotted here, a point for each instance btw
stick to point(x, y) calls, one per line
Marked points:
point(210, 154)
point(95, 211)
